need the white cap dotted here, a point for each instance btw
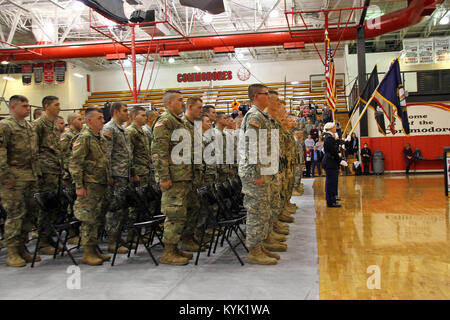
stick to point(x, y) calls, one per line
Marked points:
point(328, 126)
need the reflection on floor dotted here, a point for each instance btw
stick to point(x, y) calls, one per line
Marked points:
point(391, 233)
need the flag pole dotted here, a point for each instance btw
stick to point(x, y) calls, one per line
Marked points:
point(351, 116)
point(369, 102)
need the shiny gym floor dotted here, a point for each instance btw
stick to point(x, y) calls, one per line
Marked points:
point(390, 240)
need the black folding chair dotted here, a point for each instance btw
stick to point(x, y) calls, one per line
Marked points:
point(48, 201)
point(147, 202)
point(224, 218)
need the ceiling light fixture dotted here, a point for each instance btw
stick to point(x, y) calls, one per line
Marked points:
point(444, 20)
point(239, 55)
point(78, 75)
point(171, 60)
point(127, 63)
point(8, 78)
point(5, 62)
point(197, 68)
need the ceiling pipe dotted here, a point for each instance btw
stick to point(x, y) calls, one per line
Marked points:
point(390, 22)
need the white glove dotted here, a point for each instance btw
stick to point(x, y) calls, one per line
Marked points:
point(344, 163)
point(348, 138)
point(343, 146)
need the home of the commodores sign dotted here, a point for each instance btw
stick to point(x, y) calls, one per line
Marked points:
point(204, 76)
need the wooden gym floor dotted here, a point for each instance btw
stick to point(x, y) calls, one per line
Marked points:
point(395, 224)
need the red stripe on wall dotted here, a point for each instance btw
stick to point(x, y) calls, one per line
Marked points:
point(431, 146)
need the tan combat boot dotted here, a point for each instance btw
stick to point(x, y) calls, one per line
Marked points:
point(280, 228)
point(189, 244)
point(90, 256)
point(45, 248)
point(112, 246)
point(170, 257)
point(102, 256)
point(273, 245)
point(14, 259)
point(183, 254)
point(285, 217)
point(270, 254)
point(129, 237)
point(257, 256)
point(26, 255)
point(74, 240)
point(278, 236)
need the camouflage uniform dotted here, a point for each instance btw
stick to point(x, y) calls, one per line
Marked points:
point(210, 173)
point(89, 168)
point(256, 198)
point(140, 148)
point(149, 133)
point(284, 145)
point(301, 161)
point(222, 168)
point(275, 198)
point(174, 201)
point(195, 215)
point(66, 140)
point(292, 164)
point(51, 163)
point(19, 165)
point(119, 156)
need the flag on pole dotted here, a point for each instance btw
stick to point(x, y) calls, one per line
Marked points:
point(390, 97)
point(330, 77)
point(369, 89)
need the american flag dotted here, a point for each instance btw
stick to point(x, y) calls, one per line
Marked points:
point(330, 76)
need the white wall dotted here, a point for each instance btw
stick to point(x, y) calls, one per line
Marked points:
point(166, 76)
point(72, 93)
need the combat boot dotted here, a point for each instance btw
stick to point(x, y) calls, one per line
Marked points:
point(183, 254)
point(273, 245)
point(280, 228)
point(90, 256)
point(189, 244)
point(129, 237)
point(45, 248)
point(74, 240)
point(112, 246)
point(170, 257)
point(285, 217)
point(257, 256)
point(292, 206)
point(14, 259)
point(270, 254)
point(26, 255)
point(278, 236)
point(102, 256)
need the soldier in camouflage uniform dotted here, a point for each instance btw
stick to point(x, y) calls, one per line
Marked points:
point(19, 169)
point(51, 163)
point(67, 138)
point(151, 117)
point(210, 173)
point(191, 234)
point(119, 156)
point(256, 177)
point(223, 169)
point(293, 163)
point(298, 136)
point(174, 178)
point(90, 171)
point(140, 149)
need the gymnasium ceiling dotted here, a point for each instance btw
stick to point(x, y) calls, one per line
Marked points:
point(25, 22)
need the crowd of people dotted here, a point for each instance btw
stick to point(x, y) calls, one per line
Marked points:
point(135, 148)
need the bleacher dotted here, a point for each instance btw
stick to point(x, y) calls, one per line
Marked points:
point(222, 96)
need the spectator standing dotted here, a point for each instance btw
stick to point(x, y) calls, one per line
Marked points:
point(308, 126)
point(319, 144)
point(314, 133)
point(366, 154)
point(308, 162)
point(354, 144)
point(316, 159)
point(309, 143)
